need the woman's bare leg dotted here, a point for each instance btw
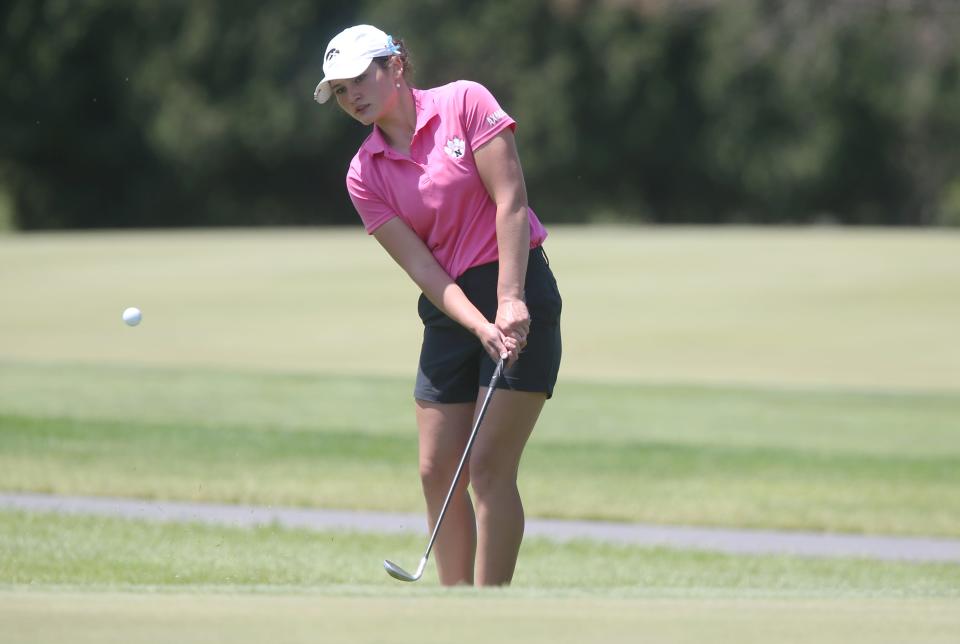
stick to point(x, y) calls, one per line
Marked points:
point(444, 430)
point(494, 464)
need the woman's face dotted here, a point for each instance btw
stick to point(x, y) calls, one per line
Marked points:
point(369, 96)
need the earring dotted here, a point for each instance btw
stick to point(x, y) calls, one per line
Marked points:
point(398, 85)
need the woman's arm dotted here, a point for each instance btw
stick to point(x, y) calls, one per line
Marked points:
point(415, 258)
point(499, 166)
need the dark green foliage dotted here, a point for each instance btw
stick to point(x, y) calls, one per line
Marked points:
point(118, 113)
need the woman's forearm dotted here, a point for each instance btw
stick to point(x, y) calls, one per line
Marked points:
point(411, 254)
point(447, 296)
point(513, 244)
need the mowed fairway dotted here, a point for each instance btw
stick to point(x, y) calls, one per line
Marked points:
point(91, 579)
point(472, 619)
point(873, 309)
point(785, 378)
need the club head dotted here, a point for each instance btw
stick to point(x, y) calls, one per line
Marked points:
point(397, 572)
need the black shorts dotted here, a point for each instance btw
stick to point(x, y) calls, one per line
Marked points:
point(453, 362)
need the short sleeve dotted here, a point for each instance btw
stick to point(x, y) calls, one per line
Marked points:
point(482, 116)
point(373, 210)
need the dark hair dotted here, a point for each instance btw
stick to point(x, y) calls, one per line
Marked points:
point(403, 56)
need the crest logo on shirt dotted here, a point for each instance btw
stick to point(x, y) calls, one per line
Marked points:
point(455, 148)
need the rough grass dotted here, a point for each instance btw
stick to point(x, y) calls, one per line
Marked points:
point(84, 579)
point(59, 551)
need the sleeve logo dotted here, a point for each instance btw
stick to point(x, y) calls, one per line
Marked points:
point(496, 116)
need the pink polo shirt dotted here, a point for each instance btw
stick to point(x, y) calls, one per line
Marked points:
point(437, 189)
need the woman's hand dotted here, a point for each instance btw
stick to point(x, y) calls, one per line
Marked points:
point(513, 323)
point(497, 344)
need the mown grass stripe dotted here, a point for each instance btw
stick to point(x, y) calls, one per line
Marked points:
point(636, 480)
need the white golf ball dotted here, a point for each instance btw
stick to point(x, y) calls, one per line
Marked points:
point(132, 316)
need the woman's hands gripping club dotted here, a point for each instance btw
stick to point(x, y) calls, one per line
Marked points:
point(507, 336)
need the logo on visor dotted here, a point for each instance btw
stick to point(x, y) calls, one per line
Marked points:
point(454, 148)
point(333, 53)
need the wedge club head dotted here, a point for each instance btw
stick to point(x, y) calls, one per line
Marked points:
point(397, 572)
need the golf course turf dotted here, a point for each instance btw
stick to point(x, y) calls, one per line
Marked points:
point(804, 379)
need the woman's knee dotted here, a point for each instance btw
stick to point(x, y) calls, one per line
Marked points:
point(443, 435)
point(432, 474)
point(436, 476)
point(489, 475)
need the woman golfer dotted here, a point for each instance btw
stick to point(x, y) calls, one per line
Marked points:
point(439, 185)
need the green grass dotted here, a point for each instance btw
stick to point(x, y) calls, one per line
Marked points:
point(860, 422)
point(796, 378)
point(84, 579)
point(68, 552)
point(780, 378)
point(31, 618)
point(822, 308)
point(734, 457)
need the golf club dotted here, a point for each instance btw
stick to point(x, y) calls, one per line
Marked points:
point(393, 569)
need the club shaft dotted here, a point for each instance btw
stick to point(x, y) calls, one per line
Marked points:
point(466, 454)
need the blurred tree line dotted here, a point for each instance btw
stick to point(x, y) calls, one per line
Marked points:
point(175, 113)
